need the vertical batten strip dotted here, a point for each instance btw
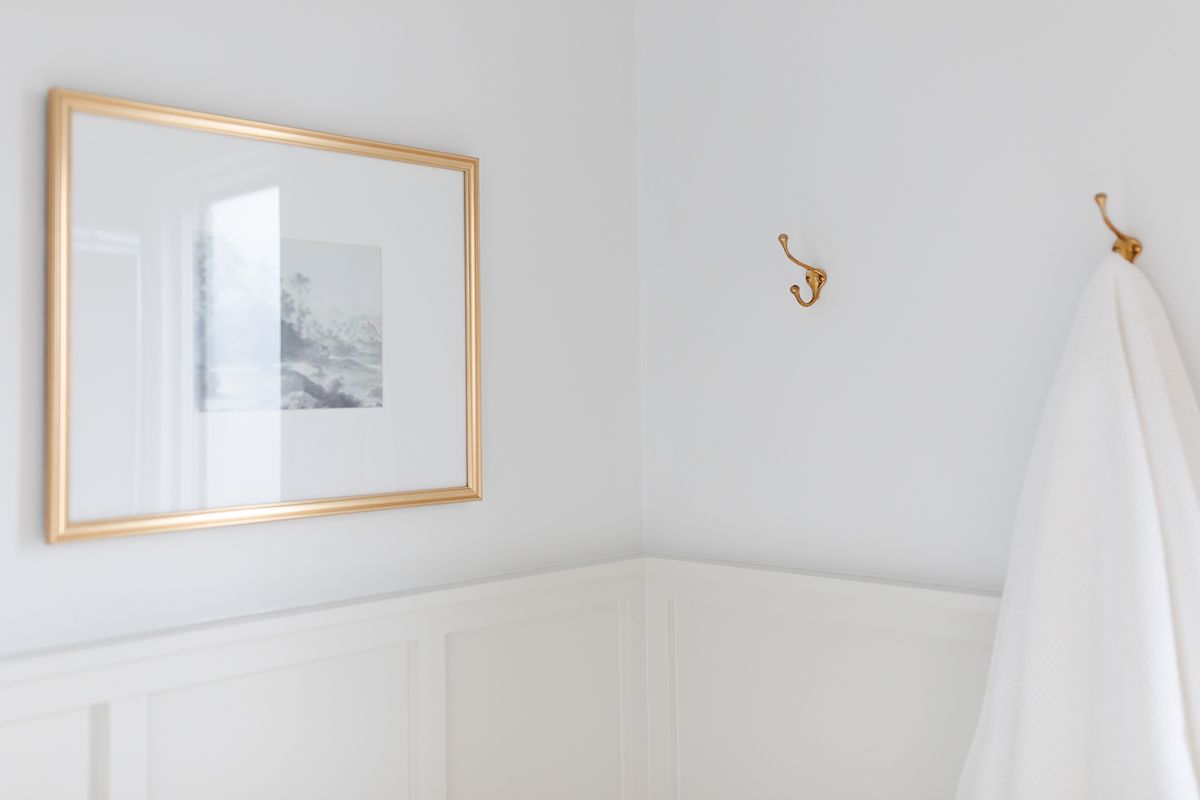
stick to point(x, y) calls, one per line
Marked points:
point(120, 749)
point(430, 714)
point(673, 697)
point(629, 657)
point(662, 734)
point(414, 719)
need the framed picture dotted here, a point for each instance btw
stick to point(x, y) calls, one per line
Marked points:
point(248, 322)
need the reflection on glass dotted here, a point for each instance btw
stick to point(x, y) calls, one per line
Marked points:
point(238, 304)
point(235, 315)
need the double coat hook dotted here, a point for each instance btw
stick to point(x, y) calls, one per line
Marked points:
point(814, 276)
point(1128, 247)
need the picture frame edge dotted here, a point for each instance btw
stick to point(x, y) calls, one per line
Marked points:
point(58, 527)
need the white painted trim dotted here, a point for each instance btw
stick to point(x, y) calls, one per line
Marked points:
point(121, 749)
point(427, 698)
point(114, 681)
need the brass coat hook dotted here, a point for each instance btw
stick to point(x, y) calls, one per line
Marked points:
point(1128, 247)
point(814, 276)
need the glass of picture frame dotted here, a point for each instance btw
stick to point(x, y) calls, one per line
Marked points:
point(250, 322)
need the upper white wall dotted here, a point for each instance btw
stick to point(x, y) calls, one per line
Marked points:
point(542, 91)
point(939, 160)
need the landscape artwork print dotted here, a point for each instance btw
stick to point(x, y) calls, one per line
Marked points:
point(298, 325)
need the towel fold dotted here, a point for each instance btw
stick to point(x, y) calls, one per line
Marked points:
point(1094, 691)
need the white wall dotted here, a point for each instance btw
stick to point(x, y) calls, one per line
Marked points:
point(542, 92)
point(939, 160)
point(642, 679)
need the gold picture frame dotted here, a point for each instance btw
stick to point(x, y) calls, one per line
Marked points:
point(62, 104)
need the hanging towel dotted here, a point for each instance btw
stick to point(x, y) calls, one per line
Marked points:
point(1094, 691)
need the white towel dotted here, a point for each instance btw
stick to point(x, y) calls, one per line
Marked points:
point(1094, 692)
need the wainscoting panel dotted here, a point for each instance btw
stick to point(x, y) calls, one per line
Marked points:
point(772, 685)
point(47, 757)
point(349, 701)
point(339, 727)
point(534, 708)
point(642, 679)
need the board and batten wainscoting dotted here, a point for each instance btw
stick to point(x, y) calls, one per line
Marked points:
point(645, 678)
